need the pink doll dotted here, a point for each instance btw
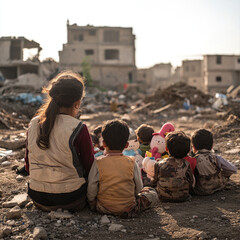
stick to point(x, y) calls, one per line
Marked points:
point(157, 144)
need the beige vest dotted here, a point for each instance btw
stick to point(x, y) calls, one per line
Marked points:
point(116, 183)
point(55, 170)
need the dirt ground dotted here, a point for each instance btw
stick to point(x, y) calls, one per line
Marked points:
point(206, 217)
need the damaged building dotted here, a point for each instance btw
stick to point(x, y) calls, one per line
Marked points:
point(159, 75)
point(12, 62)
point(19, 63)
point(109, 50)
point(191, 72)
point(220, 72)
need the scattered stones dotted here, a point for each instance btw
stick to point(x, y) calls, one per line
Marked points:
point(237, 163)
point(115, 227)
point(153, 238)
point(10, 222)
point(19, 178)
point(202, 235)
point(6, 163)
point(39, 233)
point(13, 143)
point(20, 200)
point(224, 217)
point(104, 220)
point(14, 212)
point(5, 232)
point(233, 151)
point(29, 205)
point(61, 215)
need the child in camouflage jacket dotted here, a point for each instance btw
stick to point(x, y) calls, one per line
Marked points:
point(173, 176)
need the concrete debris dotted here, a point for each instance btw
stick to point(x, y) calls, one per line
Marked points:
point(233, 151)
point(13, 143)
point(104, 220)
point(234, 92)
point(19, 178)
point(14, 212)
point(60, 215)
point(6, 163)
point(39, 233)
point(176, 94)
point(6, 231)
point(115, 227)
point(202, 235)
point(20, 200)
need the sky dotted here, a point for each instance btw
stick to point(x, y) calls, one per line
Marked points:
point(166, 30)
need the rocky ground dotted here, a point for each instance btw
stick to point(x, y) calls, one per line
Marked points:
point(206, 217)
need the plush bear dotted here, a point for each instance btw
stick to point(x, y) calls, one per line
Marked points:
point(157, 144)
point(133, 150)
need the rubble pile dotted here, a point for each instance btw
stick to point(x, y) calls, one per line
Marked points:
point(233, 107)
point(230, 128)
point(12, 120)
point(176, 94)
point(234, 92)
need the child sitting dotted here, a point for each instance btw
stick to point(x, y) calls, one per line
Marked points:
point(144, 136)
point(211, 170)
point(115, 185)
point(97, 141)
point(173, 175)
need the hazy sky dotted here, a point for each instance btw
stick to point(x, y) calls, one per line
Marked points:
point(166, 30)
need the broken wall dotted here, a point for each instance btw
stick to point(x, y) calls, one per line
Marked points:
point(4, 51)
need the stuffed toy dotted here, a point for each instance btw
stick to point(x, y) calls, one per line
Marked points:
point(148, 165)
point(133, 150)
point(157, 151)
point(157, 144)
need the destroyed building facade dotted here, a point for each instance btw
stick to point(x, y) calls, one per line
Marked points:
point(109, 50)
point(12, 62)
point(191, 72)
point(159, 75)
point(220, 72)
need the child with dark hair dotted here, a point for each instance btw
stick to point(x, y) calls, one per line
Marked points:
point(212, 171)
point(173, 176)
point(115, 185)
point(98, 133)
point(59, 148)
point(144, 136)
point(97, 141)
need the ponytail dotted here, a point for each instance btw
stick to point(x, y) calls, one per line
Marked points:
point(47, 115)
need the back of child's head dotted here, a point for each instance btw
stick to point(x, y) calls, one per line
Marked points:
point(63, 91)
point(97, 130)
point(178, 144)
point(94, 139)
point(202, 139)
point(144, 133)
point(115, 134)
